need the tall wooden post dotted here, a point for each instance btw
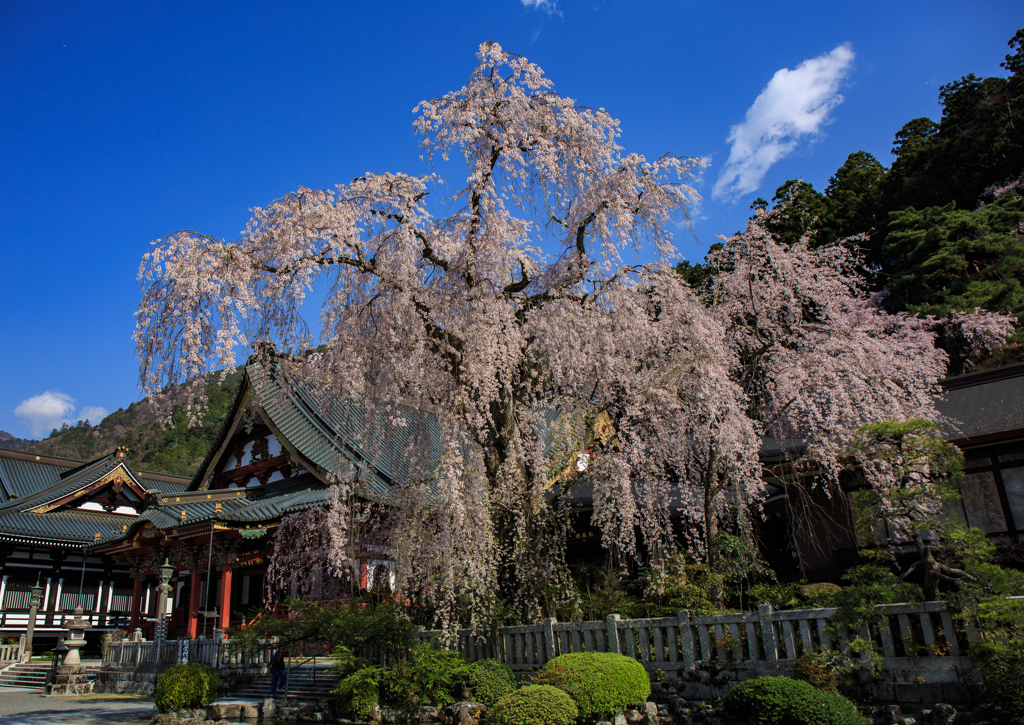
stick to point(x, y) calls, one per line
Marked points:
point(193, 605)
point(225, 596)
point(136, 605)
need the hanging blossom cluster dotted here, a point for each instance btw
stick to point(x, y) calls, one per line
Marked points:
point(313, 555)
point(816, 356)
point(453, 339)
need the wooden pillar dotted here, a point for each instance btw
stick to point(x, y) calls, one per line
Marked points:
point(225, 596)
point(136, 605)
point(193, 606)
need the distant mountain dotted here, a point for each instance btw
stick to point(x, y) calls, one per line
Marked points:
point(15, 444)
point(174, 449)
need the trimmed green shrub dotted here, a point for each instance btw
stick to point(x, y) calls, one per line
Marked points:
point(428, 676)
point(821, 594)
point(490, 681)
point(534, 705)
point(600, 683)
point(360, 691)
point(782, 701)
point(186, 686)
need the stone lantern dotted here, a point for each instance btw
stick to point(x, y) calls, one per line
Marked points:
point(166, 571)
point(70, 677)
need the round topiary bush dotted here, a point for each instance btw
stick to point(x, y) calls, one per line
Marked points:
point(534, 705)
point(186, 686)
point(600, 683)
point(490, 681)
point(783, 701)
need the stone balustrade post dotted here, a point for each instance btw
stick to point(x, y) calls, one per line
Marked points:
point(549, 638)
point(612, 624)
point(768, 639)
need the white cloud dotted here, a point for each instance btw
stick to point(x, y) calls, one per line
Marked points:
point(93, 413)
point(51, 409)
point(548, 6)
point(46, 411)
point(795, 104)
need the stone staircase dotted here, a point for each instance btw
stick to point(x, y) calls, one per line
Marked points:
point(25, 675)
point(306, 683)
point(33, 675)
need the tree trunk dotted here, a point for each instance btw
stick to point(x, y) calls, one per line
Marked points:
point(715, 590)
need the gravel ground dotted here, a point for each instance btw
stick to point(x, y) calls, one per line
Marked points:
point(28, 707)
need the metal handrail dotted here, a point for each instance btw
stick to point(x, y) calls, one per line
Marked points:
point(288, 671)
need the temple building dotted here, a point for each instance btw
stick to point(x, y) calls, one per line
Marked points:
point(277, 454)
point(53, 509)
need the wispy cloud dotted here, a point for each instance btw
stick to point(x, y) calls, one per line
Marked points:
point(548, 6)
point(794, 105)
point(52, 409)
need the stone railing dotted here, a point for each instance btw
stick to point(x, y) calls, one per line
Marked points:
point(915, 640)
point(12, 654)
point(138, 651)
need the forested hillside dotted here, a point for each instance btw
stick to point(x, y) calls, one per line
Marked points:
point(941, 228)
point(152, 446)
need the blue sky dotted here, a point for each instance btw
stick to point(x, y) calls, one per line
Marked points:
point(123, 121)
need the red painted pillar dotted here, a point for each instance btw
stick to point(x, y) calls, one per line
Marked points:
point(136, 605)
point(225, 596)
point(193, 605)
point(363, 578)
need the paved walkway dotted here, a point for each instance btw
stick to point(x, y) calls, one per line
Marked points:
point(28, 707)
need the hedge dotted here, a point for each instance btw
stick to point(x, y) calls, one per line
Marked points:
point(534, 705)
point(600, 683)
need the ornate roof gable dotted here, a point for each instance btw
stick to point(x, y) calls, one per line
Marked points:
point(107, 481)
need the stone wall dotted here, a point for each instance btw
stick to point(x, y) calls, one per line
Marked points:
point(141, 679)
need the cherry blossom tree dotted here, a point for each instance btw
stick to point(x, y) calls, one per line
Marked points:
point(817, 357)
point(517, 301)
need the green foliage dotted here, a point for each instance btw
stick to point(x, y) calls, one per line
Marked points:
point(600, 683)
point(820, 594)
point(1002, 672)
point(913, 481)
point(948, 258)
point(681, 584)
point(534, 705)
point(186, 686)
point(429, 675)
point(783, 701)
point(359, 692)
point(351, 625)
point(825, 669)
point(805, 213)
point(490, 681)
point(780, 596)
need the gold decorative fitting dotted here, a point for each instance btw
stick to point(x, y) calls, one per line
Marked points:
point(97, 536)
point(216, 507)
point(183, 515)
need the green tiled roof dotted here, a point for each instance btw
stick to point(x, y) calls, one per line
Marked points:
point(233, 510)
point(38, 482)
point(271, 507)
point(24, 478)
point(77, 527)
